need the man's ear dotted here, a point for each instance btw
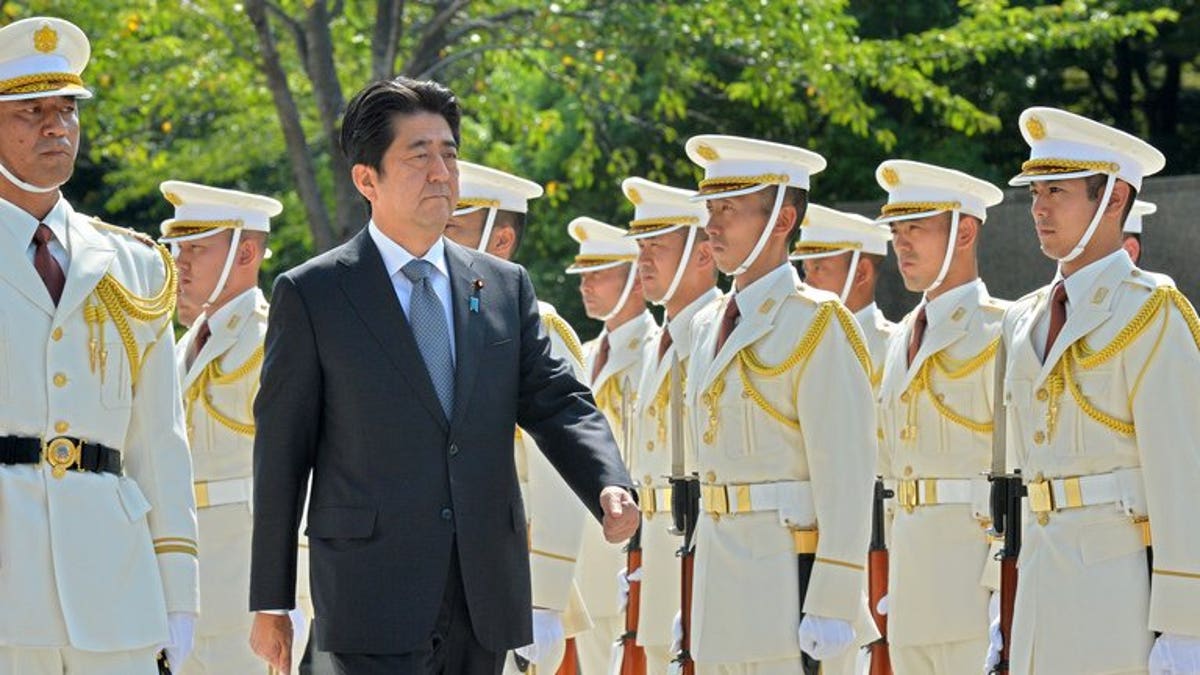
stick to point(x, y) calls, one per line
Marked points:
point(1119, 199)
point(968, 231)
point(365, 179)
point(503, 241)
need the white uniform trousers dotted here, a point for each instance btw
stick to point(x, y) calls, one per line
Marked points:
point(950, 658)
point(67, 661)
point(779, 667)
point(595, 646)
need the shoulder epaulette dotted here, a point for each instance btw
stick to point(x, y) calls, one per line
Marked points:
point(559, 325)
point(128, 232)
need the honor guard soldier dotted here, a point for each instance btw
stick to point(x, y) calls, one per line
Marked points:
point(678, 272)
point(1100, 422)
point(612, 293)
point(936, 420)
point(492, 207)
point(843, 253)
point(219, 239)
point(1131, 238)
point(97, 524)
point(780, 402)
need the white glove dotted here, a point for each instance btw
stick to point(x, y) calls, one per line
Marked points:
point(881, 607)
point(823, 638)
point(548, 640)
point(995, 639)
point(677, 633)
point(1175, 655)
point(181, 627)
point(623, 579)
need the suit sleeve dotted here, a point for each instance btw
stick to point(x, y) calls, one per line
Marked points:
point(561, 415)
point(287, 415)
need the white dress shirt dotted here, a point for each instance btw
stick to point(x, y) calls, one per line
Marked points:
point(395, 257)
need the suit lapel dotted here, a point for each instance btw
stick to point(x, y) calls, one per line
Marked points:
point(1024, 359)
point(468, 327)
point(18, 271)
point(755, 322)
point(941, 335)
point(370, 292)
point(1086, 313)
point(91, 255)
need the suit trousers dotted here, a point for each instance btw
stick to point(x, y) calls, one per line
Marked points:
point(453, 648)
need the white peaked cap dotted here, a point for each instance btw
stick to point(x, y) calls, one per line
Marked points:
point(601, 246)
point(659, 209)
point(42, 57)
point(484, 187)
point(826, 231)
point(201, 210)
point(918, 190)
point(1133, 224)
point(1064, 145)
point(736, 166)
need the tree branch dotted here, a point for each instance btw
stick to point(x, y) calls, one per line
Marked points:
point(443, 63)
point(293, 25)
point(433, 36)
point(386, 38)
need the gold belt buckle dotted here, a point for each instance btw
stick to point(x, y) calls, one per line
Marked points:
point(716, 500)
point(805, 541)
point(60, 453)
point(646, 496)
point(1041, 498)
point(906, 494)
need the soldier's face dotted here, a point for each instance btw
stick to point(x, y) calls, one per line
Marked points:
point(828, 273)
point(734, 226)
point(1061, 213)
point(920, 249)
point(200, 262)
point(659, 260)
point(601, 290)
point(416, 187)
point(39, 139)
point(467, 230)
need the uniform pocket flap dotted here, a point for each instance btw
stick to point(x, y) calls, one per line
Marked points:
point(132, 500)
point(341, 522)
point(1105, 541)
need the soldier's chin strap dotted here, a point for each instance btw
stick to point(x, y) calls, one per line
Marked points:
point(488, 223)
point(233, 246)
point(679, 269)
point(629, 277)
point(766, 233)
point(954, 217)
point(854, 257)
point(28, 187)
point(1091, 230)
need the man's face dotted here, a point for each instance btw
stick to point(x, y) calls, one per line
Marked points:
point(734, 226)
point(417, 184)
point(659, 260)
point(827, 273)
point(200, 262)
point(1061, 213)
point(920, 249)
point(601, 290)
point(467, 230)
point(39, 139)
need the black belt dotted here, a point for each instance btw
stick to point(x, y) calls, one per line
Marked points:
point(62, 453)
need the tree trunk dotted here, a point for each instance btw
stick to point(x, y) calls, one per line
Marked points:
point(386, 40)
point(303, 169)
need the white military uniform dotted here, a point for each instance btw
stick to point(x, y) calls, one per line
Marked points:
point(650, 462)
point(771, 461)
point(1106, 423)
point(93, 561)
point(936, 422)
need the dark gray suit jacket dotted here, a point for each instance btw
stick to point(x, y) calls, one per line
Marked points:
point(346, 398)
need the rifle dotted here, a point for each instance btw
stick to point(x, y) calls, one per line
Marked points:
point(804, 565)
point(685, 511)
point(164, 667)
point(877, 580)
point(1007, 489)
point(633, 657)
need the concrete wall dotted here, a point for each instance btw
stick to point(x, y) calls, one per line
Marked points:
point(1012, 264)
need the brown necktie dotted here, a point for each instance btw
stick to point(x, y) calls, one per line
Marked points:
point(601, 358)
point(201, 339)
point(45, 264)
point(1058, 315)
point(917, 335)
point(664, 342)
point(728, 320)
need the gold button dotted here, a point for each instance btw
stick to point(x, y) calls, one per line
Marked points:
point(905, 397)
point(706, 399)
point(711, 476)
point(649, 446)
point(745, 393)
point(941, 398)
point(56, 335)
point(908, 471)
point(646, 480)
point(652, 411)
point(1039, 437)
point(60, 380)
point(61, 427)
point(1042, 394)
point(879, 433)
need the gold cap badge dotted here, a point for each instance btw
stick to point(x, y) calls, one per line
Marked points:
point(45, 39)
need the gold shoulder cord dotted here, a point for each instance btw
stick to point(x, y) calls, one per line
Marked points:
point(748, 360)
point(609, 399)
point(950, 370)
point(111, 300)
point(1081, 355)
point(212, 375)
point(560, 326)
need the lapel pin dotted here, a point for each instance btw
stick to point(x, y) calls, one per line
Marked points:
point(473, 302)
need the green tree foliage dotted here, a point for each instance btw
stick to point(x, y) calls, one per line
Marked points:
point(578, 95)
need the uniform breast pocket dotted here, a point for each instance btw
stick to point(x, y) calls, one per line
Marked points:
point(115, 391)
point(1101, 406)
point(955, 403)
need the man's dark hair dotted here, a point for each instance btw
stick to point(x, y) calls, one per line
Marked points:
point(1095, 188)
point(367, 129)
point(514, 220)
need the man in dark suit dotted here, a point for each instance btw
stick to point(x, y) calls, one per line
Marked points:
point(396, 368)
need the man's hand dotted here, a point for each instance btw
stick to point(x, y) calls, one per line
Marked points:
point(271, 639)
point(621, 514)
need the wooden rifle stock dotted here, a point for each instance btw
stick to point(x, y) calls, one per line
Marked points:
point(685, 511)
point(633, 657)
point(1007, 491)
point(877, 580)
